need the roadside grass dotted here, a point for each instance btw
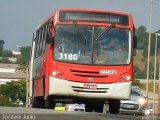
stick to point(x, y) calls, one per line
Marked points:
point(139, 60)
point(150, 87)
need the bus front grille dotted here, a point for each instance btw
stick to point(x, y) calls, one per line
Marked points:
point(83, 73)
point(97, 90)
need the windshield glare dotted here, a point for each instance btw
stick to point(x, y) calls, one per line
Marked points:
point(81, 44)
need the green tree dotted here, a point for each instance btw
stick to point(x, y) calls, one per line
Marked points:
point(136, 83)
point(142, 36)
point(139, 73)
point(24, 58)
point(1, 47)
point(1, 44)
point(12, 92)
point(4, 60)
point(7, 53)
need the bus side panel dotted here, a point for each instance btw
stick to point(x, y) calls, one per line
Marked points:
point(39, 87)
point(48, 67)
point(39, 75)
point(43, 65)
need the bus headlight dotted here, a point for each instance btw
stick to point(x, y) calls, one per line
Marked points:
point(57, 74)
point(128, 78)
point(124, 78)
point(54, 73)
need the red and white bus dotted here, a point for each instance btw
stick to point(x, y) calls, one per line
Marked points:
point(84, 56)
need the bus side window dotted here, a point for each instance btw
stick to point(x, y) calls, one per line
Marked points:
point(37, 45)
point(35, 38)
point(35, 51)
point(42, 30)
point(43, 40)
point(46, 35)
point(40, 42)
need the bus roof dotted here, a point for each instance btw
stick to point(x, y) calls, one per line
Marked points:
point(81, 9)
point(92, 10)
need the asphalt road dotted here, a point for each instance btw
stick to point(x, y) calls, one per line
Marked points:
point(10, 113)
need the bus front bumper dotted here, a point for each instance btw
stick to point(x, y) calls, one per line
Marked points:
point(59, 87)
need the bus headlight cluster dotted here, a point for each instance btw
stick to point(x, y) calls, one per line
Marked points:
point(125, 78)
point(54, 73)
point(57, 74)
point(128, 78)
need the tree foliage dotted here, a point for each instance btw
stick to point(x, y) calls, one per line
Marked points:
point(136, 82)
point(1, 44)
point(12, 92)
point(139, 73)
point(4, 60)
point(24, 58)
point(7, 53)
point(142, 36)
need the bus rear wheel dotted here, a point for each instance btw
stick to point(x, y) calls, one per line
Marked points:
point(37, 102)
point(98, 107)
point(88, 107)
point(94, 106)
point(49, 102)
point(114, 106)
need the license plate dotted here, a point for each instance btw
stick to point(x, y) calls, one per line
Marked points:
point(90, 86)
point(128, 106)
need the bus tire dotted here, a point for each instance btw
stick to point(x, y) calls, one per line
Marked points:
point(114, 106)
point(49, 103)
point(89, 107)
point(98, 107)
point(35, 103)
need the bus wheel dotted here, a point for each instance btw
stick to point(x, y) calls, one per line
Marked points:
point(35, 103)
point(89, 107)
point(98, 107)
point(49, 103)
point(114, 106)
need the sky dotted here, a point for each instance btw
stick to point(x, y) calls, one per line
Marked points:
point(19, 18)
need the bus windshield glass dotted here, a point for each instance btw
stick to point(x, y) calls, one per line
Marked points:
point(92, 45)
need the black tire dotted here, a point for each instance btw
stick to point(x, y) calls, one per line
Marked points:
point(35, 103)
point(49, 103)
point(38, 102)
point(98, 107)
point(114, 106)
point(89, 107)
point(42, 102)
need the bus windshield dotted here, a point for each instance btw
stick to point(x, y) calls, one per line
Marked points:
point(86, 45)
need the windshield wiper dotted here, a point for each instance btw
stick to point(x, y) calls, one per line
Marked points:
point(83, 39)
point(105, 31)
